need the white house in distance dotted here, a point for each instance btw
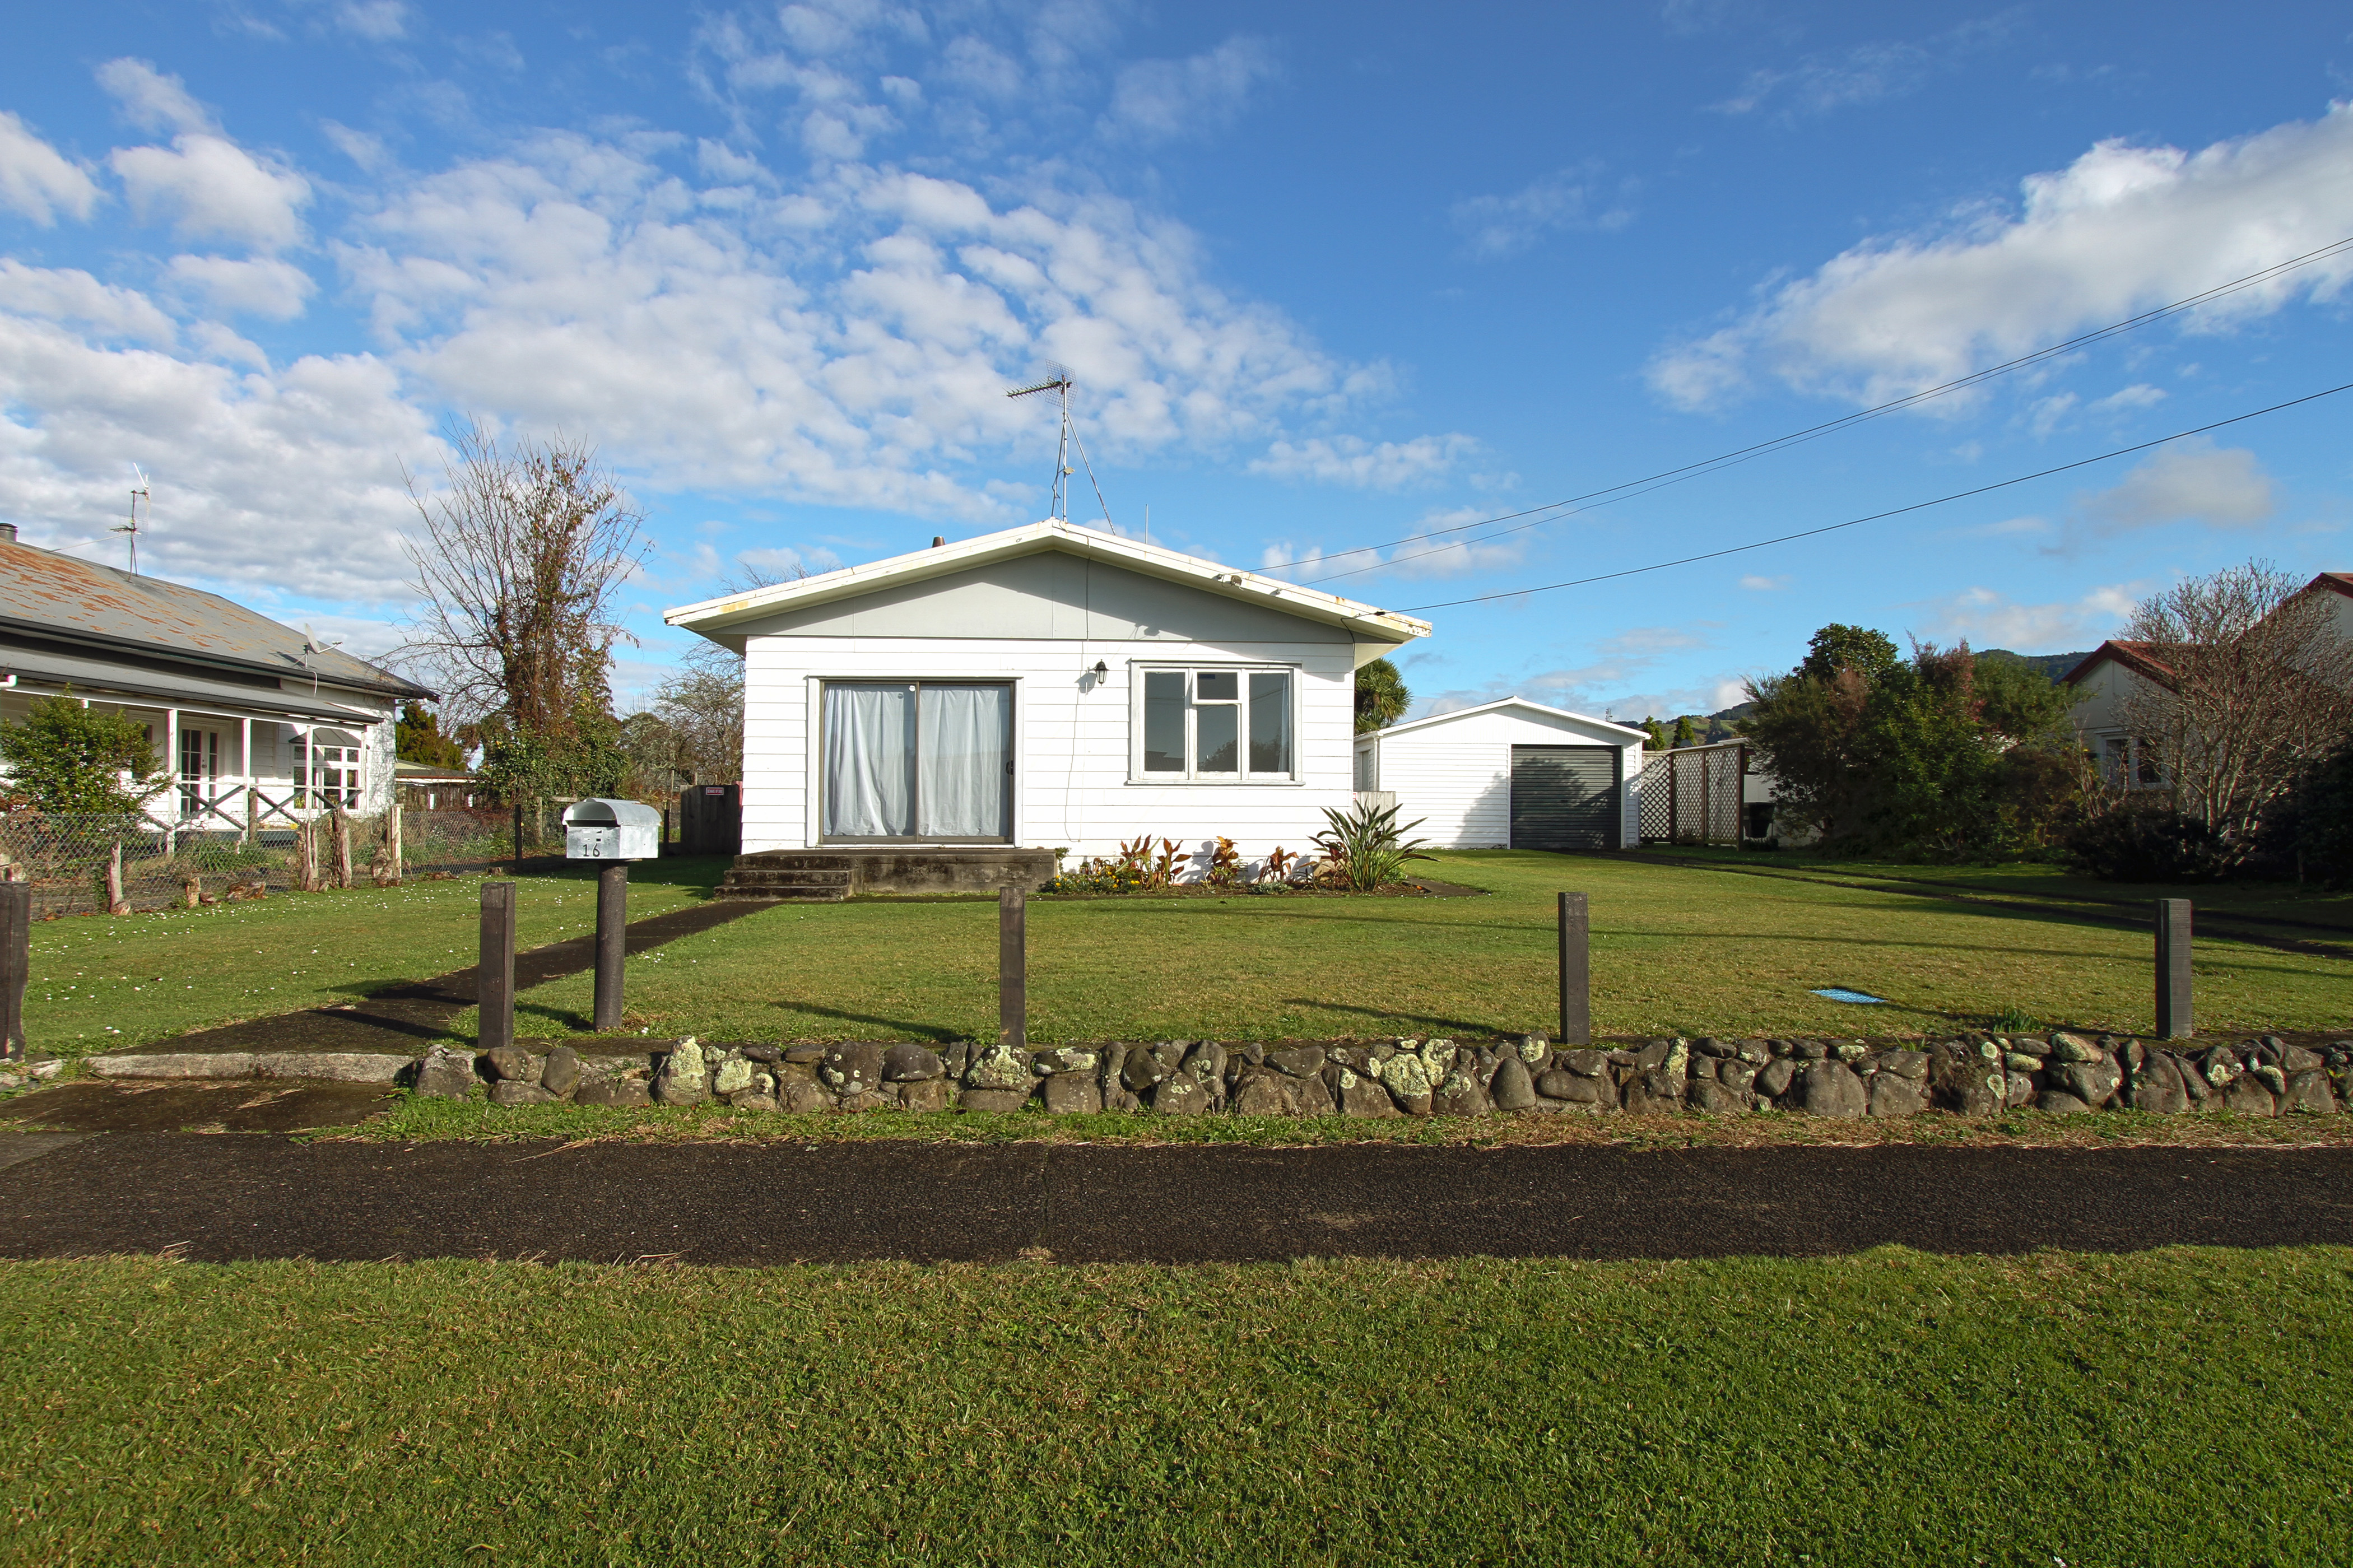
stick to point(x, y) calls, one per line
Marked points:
point(1512, 775)
point(1049, 687)
point(2112, 671)
point(253, 720)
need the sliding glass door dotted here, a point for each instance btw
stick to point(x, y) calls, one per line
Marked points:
point(917, 762)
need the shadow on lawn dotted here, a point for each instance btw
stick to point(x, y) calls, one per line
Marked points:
point(921, 1031)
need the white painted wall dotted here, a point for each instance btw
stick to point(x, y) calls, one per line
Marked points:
point(1455, 772)
point(1070, 737)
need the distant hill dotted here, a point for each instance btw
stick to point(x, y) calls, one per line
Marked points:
point(2053, 665)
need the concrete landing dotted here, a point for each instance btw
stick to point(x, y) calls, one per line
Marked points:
point(831, 874)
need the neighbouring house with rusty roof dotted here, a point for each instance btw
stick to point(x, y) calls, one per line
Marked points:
point(252, 717)
point(2112, 672)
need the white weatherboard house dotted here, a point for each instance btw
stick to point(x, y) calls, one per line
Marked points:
point(1047, 686)
point(1512, 775)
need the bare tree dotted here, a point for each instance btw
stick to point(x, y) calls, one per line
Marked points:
point(521, 555)
point(2259, 687)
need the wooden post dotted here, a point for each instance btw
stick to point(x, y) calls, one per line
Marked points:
point(1012, 969)
point(2173, 1019)
point(494, 973)
point(16, 966)
point(612, 940)
point(114, 901)
point(1674, 799)
point(339, 830)
point(399, 850)
point(1576, 971)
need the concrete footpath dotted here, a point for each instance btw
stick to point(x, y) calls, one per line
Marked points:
point(224, 1196)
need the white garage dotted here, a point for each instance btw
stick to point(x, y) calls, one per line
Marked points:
point(1512, 775)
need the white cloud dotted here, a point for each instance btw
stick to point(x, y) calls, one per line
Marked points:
point(1867, 73)
point(68, 295)
point(783, 562)
point(1364, 465)
point(1756, 584)
point(1497, 226)
point(2120, 230)
point(211, 188)
point(846, 341)
point(377, 20)
point(36, 179)
point(2140, 395)
point(271, 288)
point(1161, 100)
point(1988, 619)
point(284, 481)
point(150, 99)
point(2192, 481)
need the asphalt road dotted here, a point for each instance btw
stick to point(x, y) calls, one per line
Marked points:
point(228, 1195)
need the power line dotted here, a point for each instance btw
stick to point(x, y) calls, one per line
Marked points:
point(1632, 488)
point(1896, 511)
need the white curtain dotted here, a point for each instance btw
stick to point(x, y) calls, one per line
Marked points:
point(870, 761)
point(967, 734)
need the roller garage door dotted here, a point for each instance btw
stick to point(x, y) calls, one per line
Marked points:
point(1565, 797)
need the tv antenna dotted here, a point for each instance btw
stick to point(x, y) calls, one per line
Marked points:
point(1062, 385)
point(138, 494)
point(313, 643)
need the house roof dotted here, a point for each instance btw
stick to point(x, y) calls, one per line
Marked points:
point(2335, 582)
point(2134, 655)
point(1626, 729)
point(47, 595)
point(1363, 621)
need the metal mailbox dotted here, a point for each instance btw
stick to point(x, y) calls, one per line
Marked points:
point(611, 830)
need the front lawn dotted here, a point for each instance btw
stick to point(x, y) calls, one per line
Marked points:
point(103, 982)
point(1677, 950)
point(2181, 1406)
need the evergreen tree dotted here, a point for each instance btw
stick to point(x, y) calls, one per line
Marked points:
point(69, 758)
point(1381, 695)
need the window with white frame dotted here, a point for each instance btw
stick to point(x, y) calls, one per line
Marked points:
point(327, 765)
point(2125, 763)
point(1227, 724)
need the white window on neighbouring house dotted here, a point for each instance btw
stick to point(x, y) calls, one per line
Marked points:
point(2124, 765)
point(1215, 726)
point(327, 769)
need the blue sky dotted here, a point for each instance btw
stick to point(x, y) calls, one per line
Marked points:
point(1330, 277)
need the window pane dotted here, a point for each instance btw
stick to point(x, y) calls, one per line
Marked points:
point(1217, 686)
point(1164, 721)
point(964, 737)
point(1269, 723)
point(869, 759)
point(1219, 737)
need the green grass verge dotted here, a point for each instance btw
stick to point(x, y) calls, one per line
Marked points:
point(1676, 951)
point(101, 983)
point(2305, 905)
point(411, 1118)
point(2183, 1406)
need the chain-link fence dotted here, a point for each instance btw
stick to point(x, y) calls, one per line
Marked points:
point(89, 863)
point(1694, 794)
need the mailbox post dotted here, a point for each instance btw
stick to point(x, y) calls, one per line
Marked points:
point(615, 831)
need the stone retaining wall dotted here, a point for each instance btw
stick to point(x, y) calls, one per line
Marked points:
point(1978, 1075)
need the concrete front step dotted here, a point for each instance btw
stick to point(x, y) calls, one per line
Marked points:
point(784, 895)
point(763, 877)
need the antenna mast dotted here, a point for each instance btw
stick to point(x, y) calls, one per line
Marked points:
point(138, 494)
point(1062, 385)
point(1058, 508)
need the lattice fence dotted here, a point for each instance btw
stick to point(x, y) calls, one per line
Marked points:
point(1693, 795)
